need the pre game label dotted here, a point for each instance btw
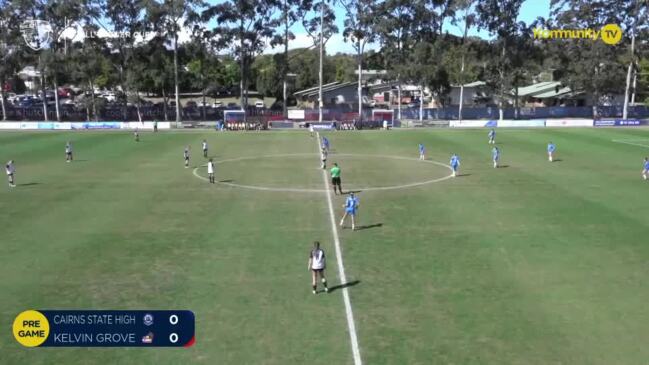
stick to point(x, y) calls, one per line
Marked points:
point(139, 328)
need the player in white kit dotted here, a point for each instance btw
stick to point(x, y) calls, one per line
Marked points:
point(11, 170)
point(317, 266)
point(323, 158)
point(204, 145)
point(210, 170)
point(68, 152)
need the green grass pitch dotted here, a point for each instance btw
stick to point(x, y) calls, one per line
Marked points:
point(532, 263)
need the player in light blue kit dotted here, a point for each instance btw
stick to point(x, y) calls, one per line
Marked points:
point(645, 168)
point(351, 206)
point(551, 149)
point(495, 156)
point(455, 164)
point(422, 152)
point(492, 136)
point(325, 143)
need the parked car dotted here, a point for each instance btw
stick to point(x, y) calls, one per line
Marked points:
point(217, 104)
point(260, 104)
point(109, 96)
point(191, 104)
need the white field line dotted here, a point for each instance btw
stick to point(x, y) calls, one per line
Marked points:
point(304, 190)
point(353, 337)
point(632, 143)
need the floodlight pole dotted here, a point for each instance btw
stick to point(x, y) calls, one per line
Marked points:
point(322, 5)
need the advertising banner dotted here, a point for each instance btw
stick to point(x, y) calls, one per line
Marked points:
point(296, 114)
point(569, 123)
point(508, 123)
point(618, 123)
point(473, 123)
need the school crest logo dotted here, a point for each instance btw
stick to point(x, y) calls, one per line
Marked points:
point(36, 33)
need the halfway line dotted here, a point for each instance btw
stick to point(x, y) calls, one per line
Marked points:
point(341, 271)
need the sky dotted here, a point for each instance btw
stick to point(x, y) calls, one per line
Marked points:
point(530, 10)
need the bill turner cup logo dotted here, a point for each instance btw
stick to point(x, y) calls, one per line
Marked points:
point(36, 33)
point(610, 34)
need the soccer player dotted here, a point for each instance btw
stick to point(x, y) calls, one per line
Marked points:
point(335, 178)
point(495, 156)
point(351, 206)
point(311, 130)
point(68, 151)
point(11, 170)
point(136, 134)
point(317, 266)
point(645, 168)
point(455, 164)
point(204, 148)
point(422, 152)
point(492, 136)
point(186, 156)
point(325, 143)
point(155, 126)
point(551, 149)
point(323, 157)
point(210, 170)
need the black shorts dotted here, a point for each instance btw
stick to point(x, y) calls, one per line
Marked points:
point(68, 153)
point(335, 181)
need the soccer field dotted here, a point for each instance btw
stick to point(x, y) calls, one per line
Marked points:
point(531, 263)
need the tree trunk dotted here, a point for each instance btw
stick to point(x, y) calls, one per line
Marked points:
point(165, 100)
point(45, 117)
point(285, 66)
point(320, 75)
point(177, 85)
point(625, 109)
point(360, 81)
point(635, 79)
point(459, 110)
point(204, 107)
point(399, 101)
point(94, 104)
point(125, 103)
point(2, 101)
point(421, 103)
point(56, 100)
point(137, 106)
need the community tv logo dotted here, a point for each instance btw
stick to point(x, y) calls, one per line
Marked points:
point(609, 34)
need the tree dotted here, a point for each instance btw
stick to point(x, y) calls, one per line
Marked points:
point(246, 24)
point(169, 16)
point(127, 20)
point(360, 22)
point(203, 64)
point(461, 77)
point(599, 71)
point(499, 17)
point(395, 33)
point(321, 28)
point(291, 12)
point(10, 53)
point(87, 60)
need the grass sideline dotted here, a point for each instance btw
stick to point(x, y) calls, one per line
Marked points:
point(533, 263)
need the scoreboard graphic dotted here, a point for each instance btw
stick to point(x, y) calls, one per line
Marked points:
point(105, 328)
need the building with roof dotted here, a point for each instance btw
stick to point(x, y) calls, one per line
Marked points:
point(333, 94)
point(475, 94)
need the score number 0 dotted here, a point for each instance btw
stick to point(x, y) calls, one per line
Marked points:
point(173, 337)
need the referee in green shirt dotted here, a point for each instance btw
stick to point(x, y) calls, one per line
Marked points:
point(335, 178)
